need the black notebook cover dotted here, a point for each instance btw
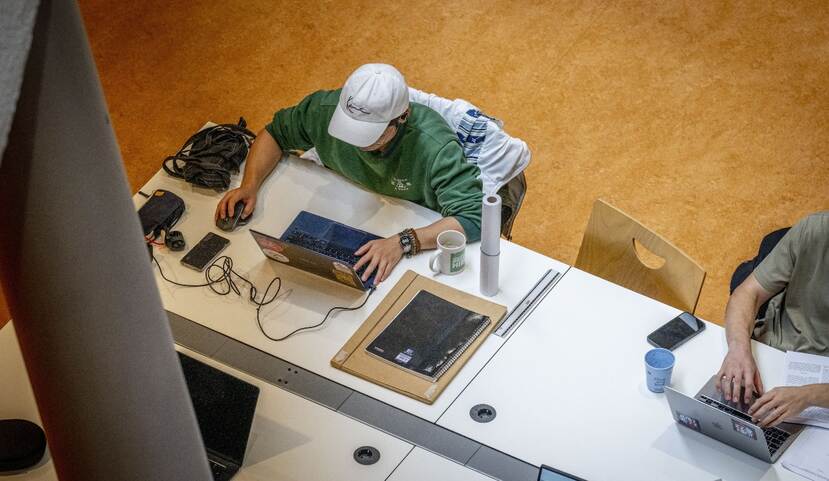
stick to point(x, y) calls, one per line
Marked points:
point(428, 335)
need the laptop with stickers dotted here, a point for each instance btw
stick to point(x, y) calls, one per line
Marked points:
point(319, 246)
point(710, 414)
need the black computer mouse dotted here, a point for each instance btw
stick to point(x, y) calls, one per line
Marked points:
point(230, 223)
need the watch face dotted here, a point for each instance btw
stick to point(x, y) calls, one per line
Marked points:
point(406, 242)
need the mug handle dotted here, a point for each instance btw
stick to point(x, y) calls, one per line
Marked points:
point(432, 263)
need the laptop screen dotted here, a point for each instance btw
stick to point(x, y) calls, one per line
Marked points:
point(547, 473)
point(224, 407)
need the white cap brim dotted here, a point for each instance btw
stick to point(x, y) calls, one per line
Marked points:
point(354, 132)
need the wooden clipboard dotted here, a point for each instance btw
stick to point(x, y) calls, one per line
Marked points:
point(354, 359)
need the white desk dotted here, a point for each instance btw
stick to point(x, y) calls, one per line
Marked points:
point(568, 385)
point(569, 391)
point(301, 185)
point(422, 465)
point(289, 436)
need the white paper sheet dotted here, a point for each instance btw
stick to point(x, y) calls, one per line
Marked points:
point(809, 455)
point(801, 369)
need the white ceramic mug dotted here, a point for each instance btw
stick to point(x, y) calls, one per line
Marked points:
point(449, 259)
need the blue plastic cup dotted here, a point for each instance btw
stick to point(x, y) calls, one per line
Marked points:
point(659, 365)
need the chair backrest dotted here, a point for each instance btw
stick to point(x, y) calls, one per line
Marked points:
point(512, 198)
point(618, 248)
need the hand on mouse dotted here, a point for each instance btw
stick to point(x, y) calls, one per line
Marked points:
point(225, 208)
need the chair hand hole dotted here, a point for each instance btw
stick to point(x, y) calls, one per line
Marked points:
point(647, 257)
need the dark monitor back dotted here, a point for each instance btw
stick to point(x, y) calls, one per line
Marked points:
point(224, 407)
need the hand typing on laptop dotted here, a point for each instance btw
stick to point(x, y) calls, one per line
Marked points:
point(380, 255)
point(785, 402)
point(739, 372)
point(383, 254)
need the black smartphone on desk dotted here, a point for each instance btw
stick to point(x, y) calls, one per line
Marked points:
point(676, 331)
point(205, 251)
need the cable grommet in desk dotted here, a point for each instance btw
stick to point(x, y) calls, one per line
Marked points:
point(366, 455)
point(482, 413)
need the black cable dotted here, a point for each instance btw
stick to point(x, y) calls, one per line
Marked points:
point(224, 277)
point(330, 311)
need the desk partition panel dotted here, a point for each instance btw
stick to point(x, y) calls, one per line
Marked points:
point(76, 276)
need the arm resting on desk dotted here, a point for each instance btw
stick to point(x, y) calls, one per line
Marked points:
point(428, 236)
point(264, 155)
point(738, 367)
point(383, 254)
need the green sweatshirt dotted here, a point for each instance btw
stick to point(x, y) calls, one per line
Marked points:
point(424, 162)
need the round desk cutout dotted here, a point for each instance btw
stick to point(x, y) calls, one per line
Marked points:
point(366, 455)
point(482, 413)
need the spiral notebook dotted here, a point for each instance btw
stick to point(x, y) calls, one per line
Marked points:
point(428, 336)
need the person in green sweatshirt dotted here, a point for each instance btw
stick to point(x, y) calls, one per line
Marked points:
point(370, 133)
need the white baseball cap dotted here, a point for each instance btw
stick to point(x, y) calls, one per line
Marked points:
point(374, 95)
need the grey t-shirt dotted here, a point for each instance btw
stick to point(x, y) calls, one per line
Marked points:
point(797, 318)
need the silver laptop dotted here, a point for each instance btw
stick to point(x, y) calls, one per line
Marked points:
point(728, 422)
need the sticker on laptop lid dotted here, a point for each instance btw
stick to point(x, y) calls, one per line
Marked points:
point(687, 421)
point(277, 256)
point(344, 277)
point(744, 429)
point(341, 267)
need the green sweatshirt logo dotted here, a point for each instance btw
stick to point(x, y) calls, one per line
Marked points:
point(400, 185)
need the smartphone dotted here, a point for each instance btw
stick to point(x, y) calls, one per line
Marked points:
point(676, 331)
point(203, 253)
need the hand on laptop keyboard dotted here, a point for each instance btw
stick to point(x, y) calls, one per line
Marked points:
point(778, 404)
point(739, 376)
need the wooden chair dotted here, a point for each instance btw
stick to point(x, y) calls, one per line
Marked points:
point(618, 248)
point(512, 198)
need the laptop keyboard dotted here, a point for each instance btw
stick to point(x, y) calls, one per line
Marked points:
point(322, 246)
point(774, 437)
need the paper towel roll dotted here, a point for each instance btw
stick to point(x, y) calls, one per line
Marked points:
point(490, 243)
point(491, 225)
point(489, 274)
